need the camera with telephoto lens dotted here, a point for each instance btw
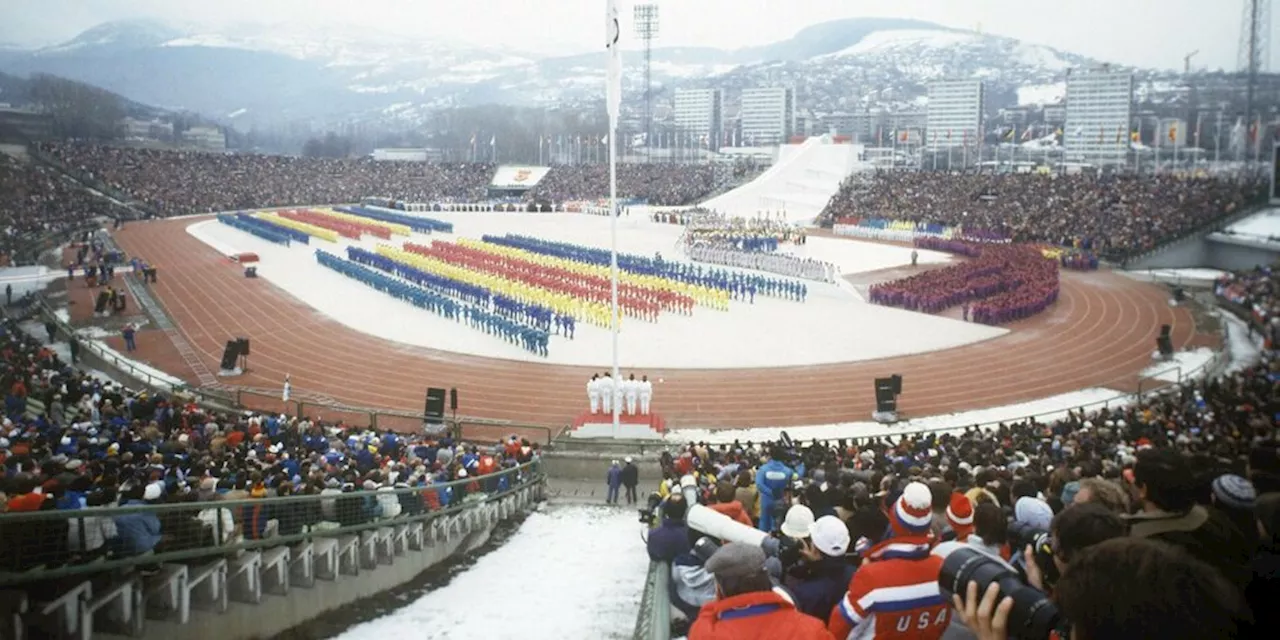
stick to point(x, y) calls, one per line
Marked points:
point(1034, 616)
point(704, 548)
point(649, 512)
point(1021, 535)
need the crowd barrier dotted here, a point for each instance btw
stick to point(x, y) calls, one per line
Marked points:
point(28, 545)
point(466, 428)
point(653, 619)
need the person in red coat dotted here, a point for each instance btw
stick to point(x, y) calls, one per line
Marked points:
point(746, 606)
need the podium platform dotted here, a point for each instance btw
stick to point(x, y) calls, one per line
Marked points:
point(633, 427)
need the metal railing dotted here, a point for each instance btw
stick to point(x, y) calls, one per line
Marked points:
point(653, 620)
point(126, 367)
point(462, 427)
point(1207, 368)
point(51, 544)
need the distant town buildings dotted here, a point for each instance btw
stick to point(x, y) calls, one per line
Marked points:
point(700, 113)
point(1099, 109)
point(768, 115)
point(954, 115)
point(205, 138)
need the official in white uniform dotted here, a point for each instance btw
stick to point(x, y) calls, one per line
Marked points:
point(607, 392)
point(631, 388)
point(593, 393)
point(646, 395)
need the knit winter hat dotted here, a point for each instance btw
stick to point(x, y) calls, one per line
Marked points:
point(1234, 492)
point(960, 515)
point(912, 512)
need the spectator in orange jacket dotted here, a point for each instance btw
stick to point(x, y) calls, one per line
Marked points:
point(727, 503)
point(746, 606)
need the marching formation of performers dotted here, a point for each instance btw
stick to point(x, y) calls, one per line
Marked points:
point(531, 339)
point(779, 263)
point(630, 395)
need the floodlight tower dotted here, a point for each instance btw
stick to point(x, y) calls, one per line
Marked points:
point(646, 19)
point(1255, 48)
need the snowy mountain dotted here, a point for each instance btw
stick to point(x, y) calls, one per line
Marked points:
point(272, 74)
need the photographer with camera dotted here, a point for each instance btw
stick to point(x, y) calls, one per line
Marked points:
point(820, 578)
point(1121, 588)
point(746, 605)
point(896, 593)
point(671, 538)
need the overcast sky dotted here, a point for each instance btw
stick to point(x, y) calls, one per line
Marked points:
point(1152, 33)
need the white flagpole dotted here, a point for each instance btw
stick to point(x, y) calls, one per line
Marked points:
point(614, 102)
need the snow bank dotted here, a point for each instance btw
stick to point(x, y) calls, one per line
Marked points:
point(1045, 410)
point(133, 367)
point(569, 572)
point(1184, 365)
point(1262, 225)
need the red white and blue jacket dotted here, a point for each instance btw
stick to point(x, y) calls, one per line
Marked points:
point(895, 596)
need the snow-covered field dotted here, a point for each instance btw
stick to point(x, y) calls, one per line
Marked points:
point(833, 325)
point(569, 572)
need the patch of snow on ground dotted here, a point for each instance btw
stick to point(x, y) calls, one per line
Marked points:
point(1045, 410)
point(1184, 365)
point(707, 339)
point(902, 40)
point(1245, 349)
point(1263, 225)
point(1040, 94)
point(569, 572)
point(1177, 276)
point(129, 365)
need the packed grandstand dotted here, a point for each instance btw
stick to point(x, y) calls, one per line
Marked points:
point(1196, 467)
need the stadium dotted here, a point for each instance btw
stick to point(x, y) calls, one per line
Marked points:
point(838, 385)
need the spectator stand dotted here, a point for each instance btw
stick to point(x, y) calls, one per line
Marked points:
point(206, 576)
point(123, 367)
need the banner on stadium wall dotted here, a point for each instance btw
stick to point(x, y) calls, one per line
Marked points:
point(518, 176)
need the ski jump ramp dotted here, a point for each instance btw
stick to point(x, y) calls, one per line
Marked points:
point(799, 184)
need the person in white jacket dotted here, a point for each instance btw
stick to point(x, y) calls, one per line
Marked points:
point(593, 393)
point(631, 388)
point(388, 501)
point(646, 395)
point(607, 394)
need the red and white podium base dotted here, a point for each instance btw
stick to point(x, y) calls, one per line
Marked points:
point(630, 427)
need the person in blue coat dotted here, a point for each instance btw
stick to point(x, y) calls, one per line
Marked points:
point(671, 538)
point(614, 480)
point(772, 481)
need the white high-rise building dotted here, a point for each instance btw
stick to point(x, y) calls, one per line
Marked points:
point(768, 115)
point(699, 113)
point(955, 113)
point(1099, 112)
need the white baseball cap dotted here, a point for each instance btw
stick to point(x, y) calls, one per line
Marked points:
point(830, 536)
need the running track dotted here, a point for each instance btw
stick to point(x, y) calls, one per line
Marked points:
point(1100, 334)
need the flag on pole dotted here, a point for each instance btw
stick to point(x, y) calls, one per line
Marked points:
point(613, 33)
point(284, 395)
point(493, 142)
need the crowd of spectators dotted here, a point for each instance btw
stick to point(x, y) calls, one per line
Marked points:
point(181, 182)
point(1169, 503)
point(1257, 292)
point(1109, 214)
point(659, 184)
point(999, 283)
point(35, 200)
point(71, 441)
